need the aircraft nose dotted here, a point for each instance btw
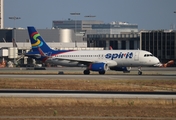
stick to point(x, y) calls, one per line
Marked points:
point(157, 62)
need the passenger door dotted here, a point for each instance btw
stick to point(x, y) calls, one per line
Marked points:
point(136, 56)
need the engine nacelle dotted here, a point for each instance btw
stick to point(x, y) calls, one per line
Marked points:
point(98, 67)
point(124, 69)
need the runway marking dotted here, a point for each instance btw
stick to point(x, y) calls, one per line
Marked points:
point(102, 96)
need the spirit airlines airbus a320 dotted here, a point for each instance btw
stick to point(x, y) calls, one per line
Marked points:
point(97, 60)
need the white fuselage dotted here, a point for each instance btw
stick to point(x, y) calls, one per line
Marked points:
point(131, 58)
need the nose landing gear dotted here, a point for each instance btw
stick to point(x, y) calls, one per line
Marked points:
point(139, 71)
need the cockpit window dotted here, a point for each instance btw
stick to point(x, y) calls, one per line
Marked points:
point(147, 55)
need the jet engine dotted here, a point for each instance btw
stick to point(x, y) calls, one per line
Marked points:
point(98, 67)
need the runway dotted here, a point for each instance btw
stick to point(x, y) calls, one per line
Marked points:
point(79, 70)
point(100, 77)
point(149, 73)
point(83, 68)
point(86, 94)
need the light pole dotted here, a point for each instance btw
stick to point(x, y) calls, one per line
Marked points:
point(90, 16)
point(14, 35)
point(75, 14)
point(174, 24)
point(14, 18)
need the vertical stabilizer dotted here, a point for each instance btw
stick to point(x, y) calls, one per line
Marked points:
point(37, 41)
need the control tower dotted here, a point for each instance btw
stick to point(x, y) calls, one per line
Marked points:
point(1, 14)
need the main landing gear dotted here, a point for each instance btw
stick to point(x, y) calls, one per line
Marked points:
point(87, 72)
point(102, 72)
point(139, 71)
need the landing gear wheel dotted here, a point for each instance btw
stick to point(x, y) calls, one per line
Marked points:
point(139, 72)
point(102, 72)
point(86, 72)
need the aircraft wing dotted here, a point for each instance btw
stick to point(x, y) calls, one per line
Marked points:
point(75, 60)
point(29, 55)
point(87, 61)
point(33, 55)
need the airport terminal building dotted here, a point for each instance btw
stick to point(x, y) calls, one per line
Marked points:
point(118, 35)
point(89, 35)
point(162, 43)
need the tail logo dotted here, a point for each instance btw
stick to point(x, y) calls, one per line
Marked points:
point(38, 42)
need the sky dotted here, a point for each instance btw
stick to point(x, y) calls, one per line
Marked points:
point(147, 14)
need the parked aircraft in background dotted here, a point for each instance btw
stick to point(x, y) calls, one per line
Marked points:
point(110, 47)
point(168, 64)
point(97, 60)
point(3, 63)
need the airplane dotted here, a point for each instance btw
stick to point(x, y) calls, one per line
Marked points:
point(168, 64)
point(94, 60)
point(3, 63)
point(110, 47)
